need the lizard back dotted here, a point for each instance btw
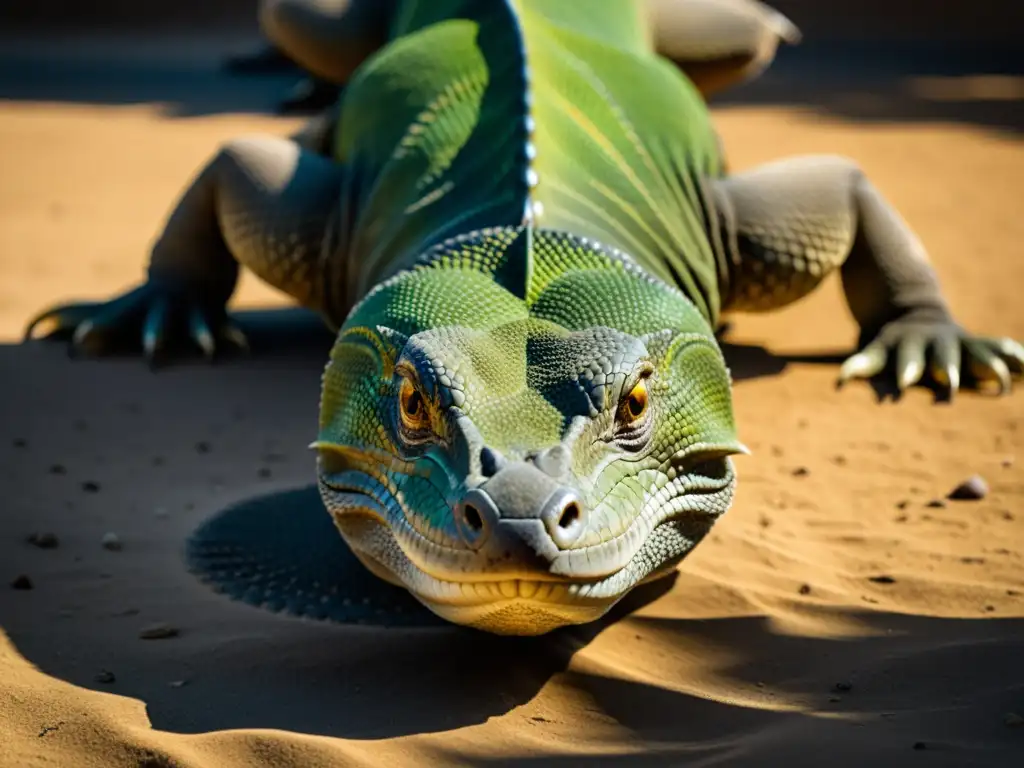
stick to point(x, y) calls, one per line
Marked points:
point(537, 113)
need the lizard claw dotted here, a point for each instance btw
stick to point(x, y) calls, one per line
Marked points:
point(150, 317)
point(942, 348)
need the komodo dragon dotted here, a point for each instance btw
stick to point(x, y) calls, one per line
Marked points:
point(521, 227)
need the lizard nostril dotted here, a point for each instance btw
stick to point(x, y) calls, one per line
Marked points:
point(472, 517)
point(475, 518)
point(565, 517)
point(570, 515)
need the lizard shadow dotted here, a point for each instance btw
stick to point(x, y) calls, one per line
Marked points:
point(752, 695)
point(280, 552)
point(386, 654)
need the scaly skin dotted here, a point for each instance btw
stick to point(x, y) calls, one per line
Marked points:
point(521, 226)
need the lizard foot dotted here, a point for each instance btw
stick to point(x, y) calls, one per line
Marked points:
point(151, 316)
point(949, 350)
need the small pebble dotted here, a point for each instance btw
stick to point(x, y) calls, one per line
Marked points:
point(801, 472)
point(263, 473)
point(112, 542)
point(900, 519)
point(844, 687)
point(1007, 462)
point(21, 582)
point(805, 589)
point(937, 504)
point(202, 447)
point(1013, 720)
point(159, 631)
point(882, 579)
point(971, 489)
point(1007, 515)
point(90, 486)
point(44, 540)
point(839, 460)
point(972, 560)
point(920, 745)
point(105, 676)
point(178, 683)
point(58, 469)
point(834, 699)
point(20, 442)
point(902, 504)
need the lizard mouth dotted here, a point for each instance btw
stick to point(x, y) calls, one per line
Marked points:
point(519, 602)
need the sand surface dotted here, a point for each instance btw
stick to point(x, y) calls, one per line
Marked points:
point(833, 617)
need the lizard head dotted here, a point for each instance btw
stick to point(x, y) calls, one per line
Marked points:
point(520, 462)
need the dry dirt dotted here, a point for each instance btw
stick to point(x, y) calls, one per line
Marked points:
point(833, 617)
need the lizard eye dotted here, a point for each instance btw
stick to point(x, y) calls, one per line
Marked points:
point(412, 407)
point(634, 405)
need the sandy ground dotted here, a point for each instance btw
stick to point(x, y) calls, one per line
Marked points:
point(832, 618)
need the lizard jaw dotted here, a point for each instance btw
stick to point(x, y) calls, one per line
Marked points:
point(513, 605)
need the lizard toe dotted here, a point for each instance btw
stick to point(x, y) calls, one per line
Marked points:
point(987, 366)
point(60, 321)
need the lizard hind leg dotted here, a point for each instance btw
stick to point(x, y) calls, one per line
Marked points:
point(327, 38)
point(262, 202)
point(719, 43)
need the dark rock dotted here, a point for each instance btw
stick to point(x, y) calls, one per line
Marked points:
point(44, 540)
point(805, 589)
point(159, 631)
point(971, 489)
point(22, 582)
point(882, 579)
point(104, 676)
point(90, 486)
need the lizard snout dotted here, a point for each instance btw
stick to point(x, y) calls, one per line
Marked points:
point(525, 503)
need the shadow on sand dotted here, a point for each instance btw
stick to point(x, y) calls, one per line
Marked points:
point(860, 80)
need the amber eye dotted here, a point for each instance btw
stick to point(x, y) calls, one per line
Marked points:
point(412, 406)
point(635, 405)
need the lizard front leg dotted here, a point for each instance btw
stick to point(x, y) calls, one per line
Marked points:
point(262, 202)
point(791, 223)
point(719, 43)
